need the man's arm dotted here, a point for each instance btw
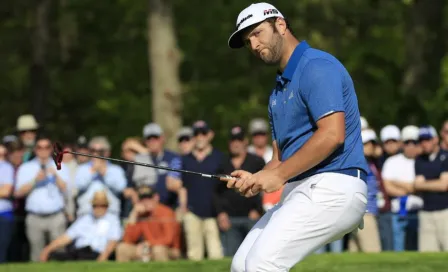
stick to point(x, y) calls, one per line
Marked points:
point(275, 161)
point(439, 185)
point(115, 178)
point(61, 241)
point(110, 247)
point(329, 136)
point(174, 179)
point(7, 179)
point(392, 189)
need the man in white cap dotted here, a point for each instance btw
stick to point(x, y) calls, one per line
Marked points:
point(390, 137)
point(185, 140)
point(318, 152)
point(399, 175)
point(27, 127)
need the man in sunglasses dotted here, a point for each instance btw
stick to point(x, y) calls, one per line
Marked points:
point(431, 170)
point(44, 188)
point(97, 175)
point(185, 140)
point(399, 175)
point(95, 234)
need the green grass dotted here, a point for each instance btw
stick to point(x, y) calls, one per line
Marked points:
point(394, 262)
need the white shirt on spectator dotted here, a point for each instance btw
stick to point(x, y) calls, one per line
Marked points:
point(114, 182)
point(95, 232)
point(267, 156)
point(400, 168)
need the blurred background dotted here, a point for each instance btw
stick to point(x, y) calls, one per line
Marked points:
point(139, 71)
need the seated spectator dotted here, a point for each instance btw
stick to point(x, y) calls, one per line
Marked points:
point(152, 231)
point(368, 239)
point(95, 235)
point(236, 213)
point(44, 188)
point(97, 175)
point(431, 170)
point(6, 205)
point(185, 140)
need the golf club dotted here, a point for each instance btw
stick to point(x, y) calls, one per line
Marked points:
point(58, 154)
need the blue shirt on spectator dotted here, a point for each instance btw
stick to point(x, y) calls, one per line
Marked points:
point(313, 85)
point(45, 197)
point(95, 232)
point(171, 160)
point(6, 178)
point(114, 182)
point(431, 167)
point(201, 190)
point(372, 191)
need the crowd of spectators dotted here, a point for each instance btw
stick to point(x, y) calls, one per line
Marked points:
point(93, 209)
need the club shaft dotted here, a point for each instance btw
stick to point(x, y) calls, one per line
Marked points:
point(143, 164)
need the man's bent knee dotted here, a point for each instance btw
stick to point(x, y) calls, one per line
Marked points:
point(125, 252)
point(238, 263)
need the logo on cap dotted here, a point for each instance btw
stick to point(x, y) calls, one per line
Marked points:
point(270, 11)
point(242, 20)
point(236, 130)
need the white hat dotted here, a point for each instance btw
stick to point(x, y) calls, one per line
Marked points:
point(152, 129)
point(390, 132)
point(409, 133)
point(368, 135)
point(258, 125)
point(185, 132)
point(251, 15)
point(27, 122)
point(364, 123)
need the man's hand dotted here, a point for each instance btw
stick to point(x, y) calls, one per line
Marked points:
point(265, 180)
point(254, 215)
point(238, 180)
point(139, 208)
point(419, 180)
point(44, 255)
point(224, 221)
point(101, 258)
point(41, 175)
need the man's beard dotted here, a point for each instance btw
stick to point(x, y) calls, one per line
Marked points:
point(274, 48)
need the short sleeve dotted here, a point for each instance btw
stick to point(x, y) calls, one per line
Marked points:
point(322, 88)
point(75, 230)
point(6, 173)
point(115, 232)
point(175, 163)
point(388, 172)
point(271, 123)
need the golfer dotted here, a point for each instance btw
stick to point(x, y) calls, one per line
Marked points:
point(318, 151)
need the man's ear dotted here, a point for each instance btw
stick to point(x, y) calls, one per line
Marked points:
point(280, 24)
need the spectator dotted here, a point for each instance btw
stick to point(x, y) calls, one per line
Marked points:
point(185, 140)
point(444, 136)
point(6, 205)
point(19, 246)
point(166, 183)
point(431, 170)
point(82, 147)
point(44, 188)
point(390, 137)
point(72, 165)
point(129, 150)
point(97, 175)
point(200, 221)
point(399, 175)
point(364, 123)
point(259, 129)
point(27, 128)
point(95, 235)
point(368, 239)
point(152, 231)
point(9, 139)
point(236, 213)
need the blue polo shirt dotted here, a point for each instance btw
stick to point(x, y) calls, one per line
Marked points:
point(201, 190)
point(431, 169)
point(313, 85)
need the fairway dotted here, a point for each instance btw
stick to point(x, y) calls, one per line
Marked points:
point(393, 262)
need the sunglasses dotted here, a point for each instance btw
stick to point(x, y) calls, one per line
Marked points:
point(184, 139)
point(46, 147)
point(100, 206)
point(414, 142)
point(200, 132)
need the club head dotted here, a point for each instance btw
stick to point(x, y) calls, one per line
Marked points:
point(57, 155)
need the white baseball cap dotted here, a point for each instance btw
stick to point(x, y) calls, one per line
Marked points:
point(251, 15)
point(409, 133)
point(390, 132)
point(364, 123)
point(152, 129)
point(368, 135)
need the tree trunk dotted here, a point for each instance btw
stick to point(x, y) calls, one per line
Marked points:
point(68, 31)
point(164, 61)
point(38, 70)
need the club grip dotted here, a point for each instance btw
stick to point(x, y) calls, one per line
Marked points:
point(224, 176)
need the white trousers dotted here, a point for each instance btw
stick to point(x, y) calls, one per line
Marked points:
point(311, 213)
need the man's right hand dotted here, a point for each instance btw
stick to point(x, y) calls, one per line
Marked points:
point(224, 221)
point(139, 208)
point(44, 255)
point(41, 175)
